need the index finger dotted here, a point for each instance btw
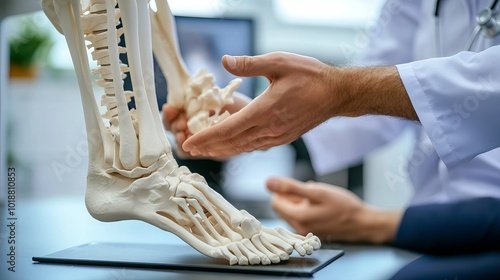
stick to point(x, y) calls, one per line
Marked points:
point(221, 132)
point(290, 186)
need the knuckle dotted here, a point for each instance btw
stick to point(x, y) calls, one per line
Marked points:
point(233, 142)
point(259, 144)
point(265, 132)
point(280, 58)
point(249, 148)
point(224, 133)
point(245, 64)
point(279, 124)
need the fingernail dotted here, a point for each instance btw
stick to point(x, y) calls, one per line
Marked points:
point(195, 153)
point(231, 61)
point(273, 184)
point(213, 154)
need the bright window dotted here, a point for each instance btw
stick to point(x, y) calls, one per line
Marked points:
point(197, 7)
point(332, 12)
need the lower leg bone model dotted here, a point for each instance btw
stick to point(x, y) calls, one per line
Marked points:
point(132, 173)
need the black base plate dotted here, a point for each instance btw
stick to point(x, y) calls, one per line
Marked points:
point(182, 257)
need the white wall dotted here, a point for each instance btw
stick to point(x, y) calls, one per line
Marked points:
point(273, 33)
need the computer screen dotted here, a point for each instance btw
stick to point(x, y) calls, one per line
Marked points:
point(202, 43)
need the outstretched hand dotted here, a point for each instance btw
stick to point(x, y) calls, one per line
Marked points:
point(293, 103)
point(330, 212)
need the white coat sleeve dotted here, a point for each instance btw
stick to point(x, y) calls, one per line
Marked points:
point(342, 142)
point(457, 100)
point(392, 41)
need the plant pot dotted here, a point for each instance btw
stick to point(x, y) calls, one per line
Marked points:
point(23, 72)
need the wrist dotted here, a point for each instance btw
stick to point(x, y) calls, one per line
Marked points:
point(339, 91)
point(378, 226)
point(357, 91)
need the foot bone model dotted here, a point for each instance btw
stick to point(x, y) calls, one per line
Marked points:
point(132, 173)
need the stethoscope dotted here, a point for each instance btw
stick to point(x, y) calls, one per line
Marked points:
point(488, 23)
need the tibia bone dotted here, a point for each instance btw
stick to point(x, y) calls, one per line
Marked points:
point(198, 95)
point(132, 174)
point(151, 145)
point(129, 144)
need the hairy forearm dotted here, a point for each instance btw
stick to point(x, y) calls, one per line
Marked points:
point(357, 91)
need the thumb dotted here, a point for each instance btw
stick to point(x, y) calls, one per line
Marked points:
point(247, 66)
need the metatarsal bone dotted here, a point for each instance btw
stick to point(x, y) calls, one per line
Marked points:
point(270, 244)
point(209, 239)
point(215, 234)
point(287, 247)
point(186, 190)
point(217, 199)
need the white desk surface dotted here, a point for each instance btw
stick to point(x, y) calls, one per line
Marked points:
point(47, 225)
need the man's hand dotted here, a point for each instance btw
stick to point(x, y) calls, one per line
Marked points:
point(330, 212)
point(303, 92)
point(294, 102)
point(175, 121)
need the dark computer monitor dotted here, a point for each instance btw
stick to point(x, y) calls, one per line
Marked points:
point(202, 43)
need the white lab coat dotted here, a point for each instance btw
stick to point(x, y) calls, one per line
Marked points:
point(407, 33)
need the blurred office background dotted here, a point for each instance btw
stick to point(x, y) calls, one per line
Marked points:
point(46, 139)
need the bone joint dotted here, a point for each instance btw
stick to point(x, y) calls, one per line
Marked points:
point(132, 174)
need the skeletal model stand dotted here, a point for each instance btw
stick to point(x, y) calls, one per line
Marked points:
point(132, 173)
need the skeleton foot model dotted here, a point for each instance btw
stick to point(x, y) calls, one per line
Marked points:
point(132, 173)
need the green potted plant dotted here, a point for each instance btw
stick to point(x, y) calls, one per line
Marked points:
point(27, 47)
